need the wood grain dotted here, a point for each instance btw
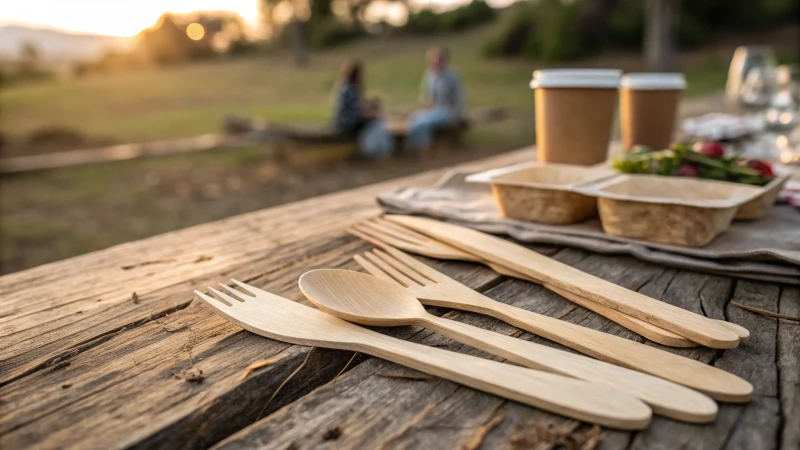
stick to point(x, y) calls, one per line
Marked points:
point(282, 319)
point(55, 310)
point(449, 293)
point(116, 389)
point(451, 416)
point(385, 235)
point(125, 385)
point(370, 300)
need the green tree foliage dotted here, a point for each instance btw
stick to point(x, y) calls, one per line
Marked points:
point(30, 58)
point(168, 42)
point(548, 30)
point(165, 42)
point(328, 23)
point(427, 21)
point(28, 66)
point(330, 33)
point(558, 30)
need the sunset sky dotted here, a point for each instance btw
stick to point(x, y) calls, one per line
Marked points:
point(112, 17)
point(126, 18)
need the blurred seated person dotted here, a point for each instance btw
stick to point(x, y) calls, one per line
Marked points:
point(443, 98)
point(360, 118)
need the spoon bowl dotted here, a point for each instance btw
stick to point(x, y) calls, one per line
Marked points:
point(361, 298)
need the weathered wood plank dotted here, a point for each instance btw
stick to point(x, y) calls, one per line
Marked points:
point(789, 369)
point(84, 365)
point(57, 309)
point(127, 387)
point(439, 415)
point(750, 426)
point(121, 152)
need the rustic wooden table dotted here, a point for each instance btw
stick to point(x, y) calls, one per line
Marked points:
point(112, 349)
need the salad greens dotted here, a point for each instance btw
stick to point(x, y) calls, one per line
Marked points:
point(706, 160)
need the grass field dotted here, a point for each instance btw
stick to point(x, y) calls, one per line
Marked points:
point(192, 99)
point(52, 215)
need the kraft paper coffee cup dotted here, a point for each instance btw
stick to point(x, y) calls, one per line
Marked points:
point(574, 114)
point(649, 108)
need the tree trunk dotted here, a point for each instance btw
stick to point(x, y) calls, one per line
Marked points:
point(594, 18)
point(658, 35)
point(300, 43)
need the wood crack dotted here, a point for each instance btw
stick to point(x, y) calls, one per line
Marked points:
point(731, 292)
point(732, 429)
point(417, 419)
point(781, 418)
point(481, 432)
point(702, 305)
point(33, 419)
point(639, 286)
point(489, 285)
point(83, 346)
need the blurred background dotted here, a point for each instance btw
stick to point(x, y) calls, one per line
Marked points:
point(83, 74)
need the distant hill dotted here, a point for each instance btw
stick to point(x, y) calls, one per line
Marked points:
point(57, 45)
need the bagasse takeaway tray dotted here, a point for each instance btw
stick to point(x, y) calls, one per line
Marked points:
point(669, 210)
point(543, 192)
point(759, 206)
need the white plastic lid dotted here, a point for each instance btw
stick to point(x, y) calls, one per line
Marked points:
point(576, 78)
point(654, 81)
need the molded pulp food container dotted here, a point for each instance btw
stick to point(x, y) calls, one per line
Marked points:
point(759, 206)
point(669, 210)
point(543, 192)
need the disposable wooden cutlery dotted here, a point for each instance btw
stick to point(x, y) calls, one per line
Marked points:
point(368, 300)
point(383, 234)
point(692, 326)
point(279, 318)
point(434, 288)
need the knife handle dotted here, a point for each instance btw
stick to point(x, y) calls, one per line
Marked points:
point(650, 331)
point(666, 398)
point(714, 382)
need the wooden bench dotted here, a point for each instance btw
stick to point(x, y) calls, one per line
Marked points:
point(307, 144)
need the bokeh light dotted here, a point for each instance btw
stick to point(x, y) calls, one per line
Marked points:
point(195, 31)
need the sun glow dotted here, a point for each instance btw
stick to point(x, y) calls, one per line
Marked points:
point(195, 31)
point(112, 17)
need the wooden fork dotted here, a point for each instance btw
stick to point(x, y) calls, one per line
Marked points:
point(434, 288)
point(383, 234)
point(281, 319)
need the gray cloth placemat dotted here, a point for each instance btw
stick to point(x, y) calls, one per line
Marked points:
point(766, 249)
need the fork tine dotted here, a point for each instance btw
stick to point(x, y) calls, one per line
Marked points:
point(251, 289)
point(407, 232)
point(242, 297)
point(376, 242)
point(389, 270)
point(224, 296)
point(373, 269)
point(387, 231)
point(259, 295)
point(425, 245)
point(387, 239)
point(212, 301)
point(415, 264)
point(404, 269)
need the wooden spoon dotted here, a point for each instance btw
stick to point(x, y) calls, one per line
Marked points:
point(368, 300)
